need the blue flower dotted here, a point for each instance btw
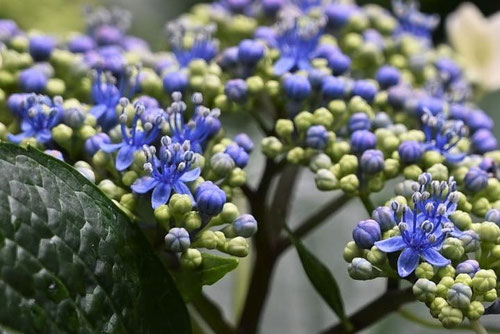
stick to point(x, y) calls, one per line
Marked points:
point(317, 137)
point(81, 44)
point(476, 179)
point(250, 52)
point(107, 26)
point(169, 172)
point(363, 140)
point(41, 47)
point(210, 199)
point(410, 151)
point(388, 76)
point(297, 87)
point(236, 90)
point(8, 29)
point(238, 154)
point(339, 14)
point(175, 82)
point(443, 135)
point(39, 115)
point(484, 141)
point(359, 121)
point(412, 21)
point(94, 143)
point(372, 161)
point(189, 43)
point(425, 226)
point(33, 80)
point(106, 95)
point(202, 126)
point(244, 141)
point(135, 139)
point(107, 58)
point(366, 233)
point(297, 39)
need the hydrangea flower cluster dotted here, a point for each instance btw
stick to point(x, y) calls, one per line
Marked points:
point(354, 94)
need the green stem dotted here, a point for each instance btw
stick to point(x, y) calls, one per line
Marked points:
point(478, 327)
point(365, 198)
point(212, 315)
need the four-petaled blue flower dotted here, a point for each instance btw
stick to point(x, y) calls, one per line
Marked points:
point(170, 171)
point(297, 39)
point(425, 227)
point(39, 114)
point(443, 135)
point(134, 140)
point(412, 21)
point(202, 126)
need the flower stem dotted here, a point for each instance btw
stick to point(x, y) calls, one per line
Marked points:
point(478, 327)
point(365, 198)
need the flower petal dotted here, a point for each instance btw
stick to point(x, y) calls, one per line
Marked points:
point(108, 148)
point(181, 188)
point(283, 65)
point(305, 65)
point(435, 258)
point(144, 184)
point(17, 139)
point(44, 136)
point(191, 175)
point(161, 195)
point(454, 157)
point(125, 157)
point(98, 110)
point(390, 245)
point(408, 262)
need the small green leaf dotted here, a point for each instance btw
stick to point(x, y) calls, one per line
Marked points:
point(212, 269)
point(322, 280)
point(71, 261)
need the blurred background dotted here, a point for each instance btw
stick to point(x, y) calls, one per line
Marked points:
point(293, 306)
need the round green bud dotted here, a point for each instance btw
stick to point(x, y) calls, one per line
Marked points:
point(484, 280)
point(464, 279)
point(450, 317)
point(389, 144)
point(337, 107)
point(459, 173)
point(237, 247)
point(424, 290)
point(271, 147)
point(284, 128)
point(352, 251)
point(296, 155)
point(222, 102)
point(492, 191)
point(55, 86)
point(349, 183)
point(376, 183)
point(85, 132)
point(303, 121)
point(459, 296)
point(320, 161)
point(163, 215)
point(357, 23)
point(180, 204)
point(221, 239)
point(490, 295)
point(437, 305)
point(475, 311)
point(425, 270)
point(128, 201)
point(448, 271)
point(444, 285)
point(352, 42)
point(229, 213)
point(191, 258)
point(110, 189)
point(212, 85)
point(453, 249)
point(129, 177)
point(361, 269)
point(323, 116)
point(62, 135)
point(255, 84)
point(488, 231)
point(192, 221)
point(391, 168)
point(495, 252)
point(412, 172)
point(463, 204)
point(439, 172)
point(461, 219)
point(358, 104)
point(431, 158)
point(481, 206)
point(348, 164)
point(338, 149)
point(326, 180)
point(272, 87)
point(207, 239)
point(237, 177)
point(376, 256)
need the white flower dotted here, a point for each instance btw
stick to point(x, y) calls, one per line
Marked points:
point(477, 41)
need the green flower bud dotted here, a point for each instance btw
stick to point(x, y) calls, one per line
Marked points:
point(221, 239)
point(376, 257)
point(222, 164)
point(448, 271)
point(444, 285)
point(222, 102)
point(271, 147)
point(237, 177)
point(453, 249)
point(323, 116)
point(326, 180)
point(191, 258)
point(495, 252)
point(492, 191)
point(163, 215)
point(425, 270)
point(439, 172)
point(255, 84)
point(437, 305)
point(55, 86)
point(412, 172)
point(431, 158)
point(296, 155)
point(320, 161)
point(128, 201)
point(180, 204)
point(450, 317)
point(229, 213)
point(475, 311)
point(459, 296)
point(62, 135)
point(484, 280)
point(358, 104)
point(348, 164)
point(86, 170)
point(129, 178)
point(20, 43)
point(273, 87)
point(303, 121)
point(459, 174)
point(464, 279)
point(389, 144)
point(337, 107)
point(361, 269)
point(461, 219)
point(424, 290)
point(481, 206)
point(391, 168)
point(490, 295)
point(463, 204)
point(207, 239)
point(237, 247)
point(352, 251)
point(352, 42)
point(110, 189)
point(376, 183)
point(412, 135)
point(284, 128)
point(488, 231)
point(338, 149)
point(192, 221)
point(349, 183)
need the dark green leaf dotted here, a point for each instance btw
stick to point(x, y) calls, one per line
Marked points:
point(71, 261)
point(322, 280)
point(212, 269)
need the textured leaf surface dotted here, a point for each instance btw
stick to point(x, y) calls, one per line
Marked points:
point(322, 279)
point(71, 261)
point(212, 269)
